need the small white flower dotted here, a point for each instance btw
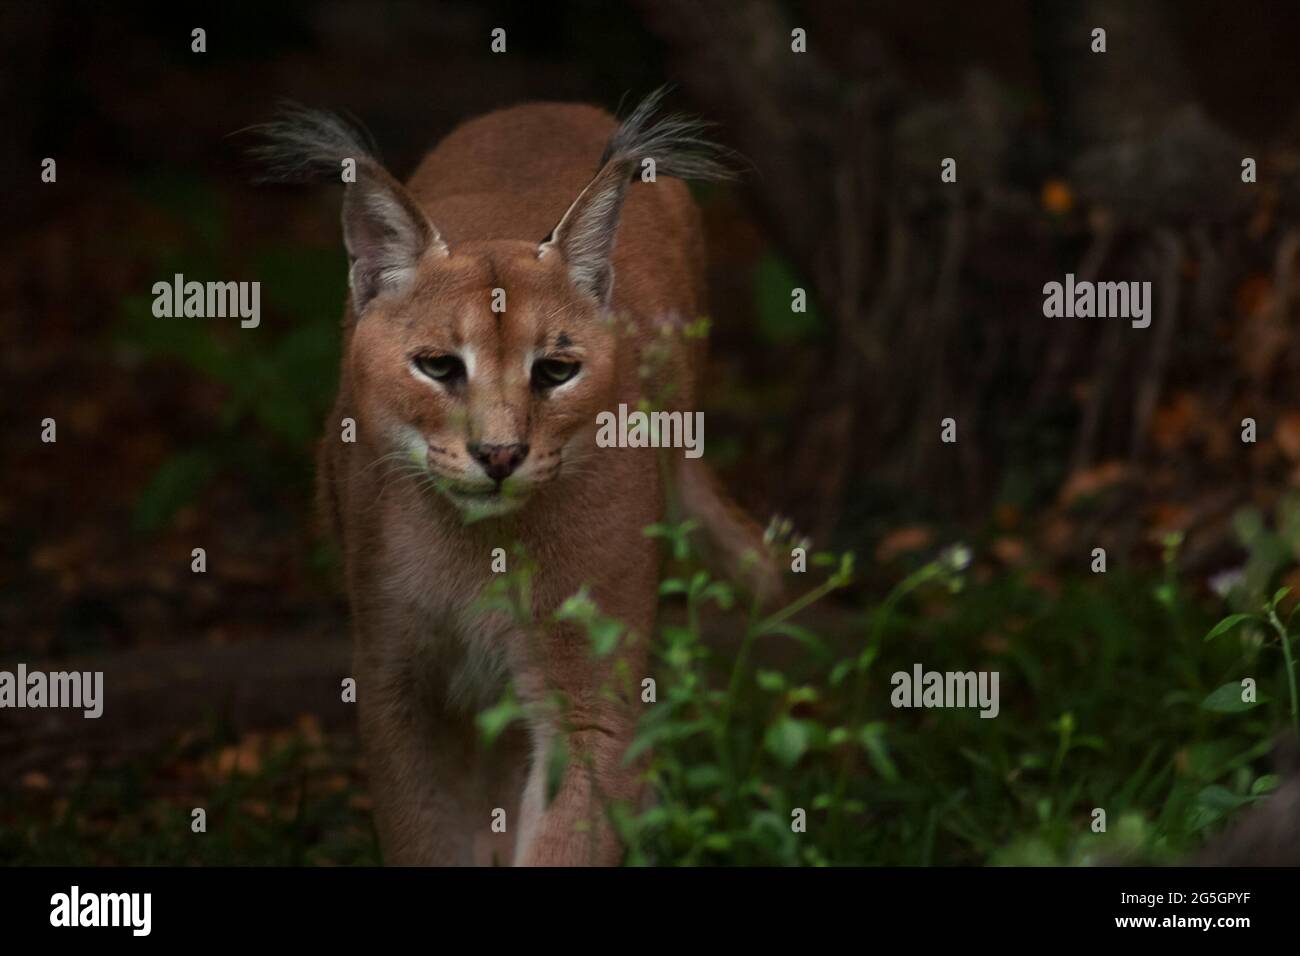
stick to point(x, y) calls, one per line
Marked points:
point(1225, 582)
point(956, 557)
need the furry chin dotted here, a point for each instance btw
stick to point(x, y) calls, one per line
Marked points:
point(474, 508)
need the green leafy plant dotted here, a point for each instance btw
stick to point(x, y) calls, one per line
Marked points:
point(772, 739)
point(1228, 698)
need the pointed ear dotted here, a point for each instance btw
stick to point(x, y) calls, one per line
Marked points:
point(585, 235)
point(386, 234)
point(584, 238)
point(384, 229)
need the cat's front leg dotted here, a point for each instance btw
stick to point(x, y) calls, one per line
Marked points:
point(573, 828)
point(439, 799)
point(415, 810)
point(583, 723)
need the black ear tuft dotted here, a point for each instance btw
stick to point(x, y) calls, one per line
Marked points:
point(586, 232)
point(677, 143)
point(384, 229)
point(308, 145)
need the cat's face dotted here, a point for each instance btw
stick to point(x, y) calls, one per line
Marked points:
point(485, 375)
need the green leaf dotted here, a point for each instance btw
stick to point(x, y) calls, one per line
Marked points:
point(787, 740)
point(669, 730)
point(703, 777)
point(717, 842)
point(699, 329)
point(604, 635)
point(1265, 784)
point(557, 760)
point(872, 739)
point(1220, 798)
point(772, 681)
point(804, 694)
point(495, 719)
point(675, 636)
point(721, 594)
point(1227, 700)
point(1227, 624)
point(801, 634)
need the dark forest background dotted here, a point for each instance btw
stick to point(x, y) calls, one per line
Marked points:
point(926, 304)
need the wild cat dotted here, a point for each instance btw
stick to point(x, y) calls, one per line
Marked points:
point(527, 278)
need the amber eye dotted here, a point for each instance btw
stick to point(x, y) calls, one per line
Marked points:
point(549, 373)
point(440, 368)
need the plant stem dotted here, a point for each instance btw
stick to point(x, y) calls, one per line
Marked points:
point(1290, 665)
point(901, 590)
point(753, 629)
point(733, 688)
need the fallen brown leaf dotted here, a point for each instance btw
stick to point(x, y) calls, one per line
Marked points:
point(903, 541)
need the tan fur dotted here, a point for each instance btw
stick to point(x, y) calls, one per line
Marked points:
point(425, 661)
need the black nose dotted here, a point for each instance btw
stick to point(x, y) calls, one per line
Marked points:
point(499, 461)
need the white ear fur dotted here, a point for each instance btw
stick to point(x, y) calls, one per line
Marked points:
point(585, 235)
point(385, 233)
